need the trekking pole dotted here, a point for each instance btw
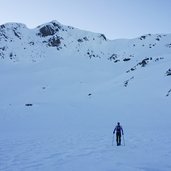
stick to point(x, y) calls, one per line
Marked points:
point(112, 139)
point(123, 140)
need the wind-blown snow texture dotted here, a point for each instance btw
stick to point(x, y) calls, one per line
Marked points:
point(62, 90)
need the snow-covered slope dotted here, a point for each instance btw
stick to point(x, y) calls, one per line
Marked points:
point(62, 90)
point(16, 40)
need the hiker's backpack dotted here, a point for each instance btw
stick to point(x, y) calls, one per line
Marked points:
point(118, 128)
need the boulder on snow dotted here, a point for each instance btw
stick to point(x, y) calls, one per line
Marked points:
point(28, 104)
point(168, 72)
point(126, 59)
point(80, 40)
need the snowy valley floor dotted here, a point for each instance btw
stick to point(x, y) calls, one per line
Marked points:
point(65, 129)
point(52, 148)
point(85, 152)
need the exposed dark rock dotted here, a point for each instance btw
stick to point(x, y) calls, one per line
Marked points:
point(17, 34)
point(59, 48)
point(144, 62)
point(142, 37)
point(31, 43)
point(70, 27)
point(80, 40)
point(56, 25)
point(28, 104)
point(11, 55)
point(3, 35)
point(132, 69)
point(2, 48)
point(158, 59)
point(44, 41)
point(168, 93)
point(46, 30)
point(168, 72)
point(85, 38)
point(126, 59)
point(91, 54)
point(54, 41)
point(103, 36)
point(168, 45)
point(116, 61)
point(2, 55)
point(2, 26)
point(113, 57)
point(127, 81)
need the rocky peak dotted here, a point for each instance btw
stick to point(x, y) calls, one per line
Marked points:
point(49, 29)
point(9, 29)
point(9, 26)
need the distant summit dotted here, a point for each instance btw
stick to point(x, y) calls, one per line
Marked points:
point(16, 40)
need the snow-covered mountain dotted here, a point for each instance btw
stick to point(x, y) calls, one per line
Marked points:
point(16, 40)
point(62, 90)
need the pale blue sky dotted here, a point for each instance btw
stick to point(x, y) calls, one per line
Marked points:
point(114, 18)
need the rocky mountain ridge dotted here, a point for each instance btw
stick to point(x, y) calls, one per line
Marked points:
point(16, 40)
point(18, 44)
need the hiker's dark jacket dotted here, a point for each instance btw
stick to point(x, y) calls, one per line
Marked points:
point(118, 129)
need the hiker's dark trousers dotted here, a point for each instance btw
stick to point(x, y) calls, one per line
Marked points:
point(118, 138)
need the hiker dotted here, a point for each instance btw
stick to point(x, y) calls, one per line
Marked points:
point(118, 129)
